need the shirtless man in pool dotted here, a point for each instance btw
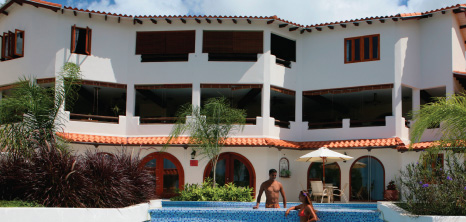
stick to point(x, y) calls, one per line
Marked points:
point(271, 188)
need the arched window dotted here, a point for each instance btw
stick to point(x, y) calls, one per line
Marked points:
point(168, 171)
point(367, 179)
point(235, 168)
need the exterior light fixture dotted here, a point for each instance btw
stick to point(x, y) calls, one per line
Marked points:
point(193, 154)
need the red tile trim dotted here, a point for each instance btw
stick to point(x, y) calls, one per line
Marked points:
point(164, 86)
point(283, 90)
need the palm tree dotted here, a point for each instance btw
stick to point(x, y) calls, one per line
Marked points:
point(32, 113)
point(447, 112)
point(209, 127)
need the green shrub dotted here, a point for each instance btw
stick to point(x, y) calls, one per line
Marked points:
point(18, 203)
point(438, 191)
point(205, 192)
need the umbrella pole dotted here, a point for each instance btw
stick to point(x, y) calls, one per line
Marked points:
point(323, 167)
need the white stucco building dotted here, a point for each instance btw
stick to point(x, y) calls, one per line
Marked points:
point(345, 85)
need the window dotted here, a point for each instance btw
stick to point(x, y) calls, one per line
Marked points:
point(362, 48)
point(233, 45)
point(12, 45)
point(81, 40)
point(165, 46)
point(284, 49)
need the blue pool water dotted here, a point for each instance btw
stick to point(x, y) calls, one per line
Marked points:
point(240, 211)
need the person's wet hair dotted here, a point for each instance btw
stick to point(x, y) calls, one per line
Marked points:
point(272, 171)
point(306, 196)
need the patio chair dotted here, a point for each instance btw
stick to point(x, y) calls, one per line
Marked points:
point(319, 191)
point(342, 193)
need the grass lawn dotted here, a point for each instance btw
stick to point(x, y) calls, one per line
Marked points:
point(18, 203)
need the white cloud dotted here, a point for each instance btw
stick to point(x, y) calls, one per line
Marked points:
point(306, 12)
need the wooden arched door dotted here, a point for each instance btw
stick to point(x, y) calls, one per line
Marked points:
point(233, 168)
point(169, 174)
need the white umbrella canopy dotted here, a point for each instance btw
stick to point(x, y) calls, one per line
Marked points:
point(323, 155)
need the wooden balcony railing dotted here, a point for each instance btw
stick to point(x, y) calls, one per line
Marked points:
point(282, 124)
point(93, 118)
point(158, 120)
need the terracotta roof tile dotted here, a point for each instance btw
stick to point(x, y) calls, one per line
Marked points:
point(47, 3)
point(115, 140)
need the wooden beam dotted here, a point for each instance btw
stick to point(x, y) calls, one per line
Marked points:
point(168, 21)
point(308, 30)
point(183, 20)
point(343, 25)
point(198, 20)
point(20, 2)
point(137, 21)
point(463, 27)
point(219, 21)
point(459, 10)
point(249, 21)
point(234, 21)
point(395, 19)
point(90, 15)
point(208, 20)
point(356, 23)
point(5, 13)
point(443, 12)
point(369, 22)
point(319, 29)
point(270, 21)
point(282, 25)
point(302, 31)
point(153, 21)
point(293, 29)
point(331, 27)
point(75, 13)
point(382, 20)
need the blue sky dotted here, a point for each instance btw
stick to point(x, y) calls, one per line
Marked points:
point(306, 12)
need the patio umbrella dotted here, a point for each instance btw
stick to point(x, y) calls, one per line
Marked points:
point(323, 155)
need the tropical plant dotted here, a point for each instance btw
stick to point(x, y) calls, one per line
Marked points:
point(209, 127)
point(34, 112)
point(207, 192)
point(447, 112)
point(428, 187)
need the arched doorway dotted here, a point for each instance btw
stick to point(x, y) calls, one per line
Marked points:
point(169, 174)
point(367, 179)
point(235, 168)
point(332, 174)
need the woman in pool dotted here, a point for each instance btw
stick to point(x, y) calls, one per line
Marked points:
point(306, 210)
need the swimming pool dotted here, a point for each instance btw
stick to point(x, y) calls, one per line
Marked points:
point(240, 211)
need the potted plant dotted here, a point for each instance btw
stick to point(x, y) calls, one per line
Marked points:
point(285, 173)
point(391, 193)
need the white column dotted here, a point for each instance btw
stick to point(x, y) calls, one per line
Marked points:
point(266, 86)
point(416, 99)
point(130, 100)
point(196, 94)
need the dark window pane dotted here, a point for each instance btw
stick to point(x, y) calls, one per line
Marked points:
point(367, 48)
point(241, 174)
point(375, 47)
point(80, 41)
point(348, 51)
point(170, 176)
point(151, 163)
point(357, 49)
point(220, 172)
point(19, 43)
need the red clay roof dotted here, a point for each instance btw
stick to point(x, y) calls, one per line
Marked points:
point(403, 15)
point(115, 140)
